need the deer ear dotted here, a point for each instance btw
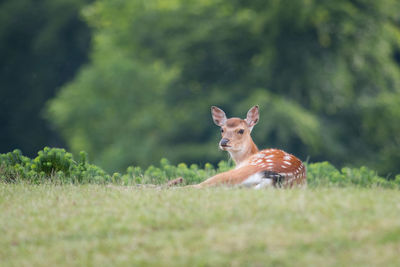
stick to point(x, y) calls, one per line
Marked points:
point(252, 117)
point(218, 116)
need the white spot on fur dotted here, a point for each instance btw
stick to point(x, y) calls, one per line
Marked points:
point(287, 162)
point(287, 157)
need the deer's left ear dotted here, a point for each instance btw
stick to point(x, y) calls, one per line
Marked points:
point(252, 117)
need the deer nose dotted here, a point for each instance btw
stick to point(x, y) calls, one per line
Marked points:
point(224, 142)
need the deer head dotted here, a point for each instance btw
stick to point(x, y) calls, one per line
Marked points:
point(235, 133)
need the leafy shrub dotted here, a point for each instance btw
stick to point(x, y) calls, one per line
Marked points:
point(53, 164)
point(53, 160)
point(13, 165)
point(57, 165)
point(159, 175)
point(325, 174)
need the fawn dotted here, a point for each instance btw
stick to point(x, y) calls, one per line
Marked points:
point(254, 168)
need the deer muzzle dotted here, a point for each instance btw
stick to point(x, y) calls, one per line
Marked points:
point(224, 142)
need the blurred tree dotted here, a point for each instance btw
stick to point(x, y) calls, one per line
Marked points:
point(323, 72)
point(42, 44)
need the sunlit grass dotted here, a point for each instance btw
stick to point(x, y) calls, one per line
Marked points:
point(94, 225)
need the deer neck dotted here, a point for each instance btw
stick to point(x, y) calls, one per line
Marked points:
point(241, 156)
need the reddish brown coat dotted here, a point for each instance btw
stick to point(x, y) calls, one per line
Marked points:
point(280, 162)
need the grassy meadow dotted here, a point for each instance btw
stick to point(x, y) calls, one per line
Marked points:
point(106, 225)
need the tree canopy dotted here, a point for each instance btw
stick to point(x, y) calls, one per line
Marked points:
point(323, 72)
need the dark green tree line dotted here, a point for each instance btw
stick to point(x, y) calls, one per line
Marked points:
point(42, 45)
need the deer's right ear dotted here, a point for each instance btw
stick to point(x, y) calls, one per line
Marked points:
point(218, 116)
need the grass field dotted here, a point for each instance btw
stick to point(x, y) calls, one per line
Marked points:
point(94, 225)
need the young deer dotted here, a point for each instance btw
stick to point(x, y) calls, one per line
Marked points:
point(254, 168)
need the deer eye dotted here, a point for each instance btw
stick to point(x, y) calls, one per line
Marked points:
point(222, 130)
point(241, 131)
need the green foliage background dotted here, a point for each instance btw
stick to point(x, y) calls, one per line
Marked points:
point(323, 72)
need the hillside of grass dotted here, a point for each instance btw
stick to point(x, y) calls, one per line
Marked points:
point(97, 225)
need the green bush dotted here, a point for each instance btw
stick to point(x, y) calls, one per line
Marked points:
point(325, 174)
point(57, 165)
point(14, 165)
point(51, 164)
point(159, 175)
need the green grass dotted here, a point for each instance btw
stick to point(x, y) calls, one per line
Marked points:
point(97, 225)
